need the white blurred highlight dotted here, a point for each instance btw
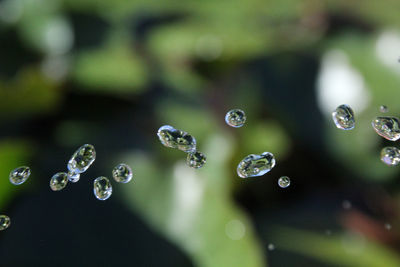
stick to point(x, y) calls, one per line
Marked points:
point(235, 229)
point(58, 36)
point(387, 49)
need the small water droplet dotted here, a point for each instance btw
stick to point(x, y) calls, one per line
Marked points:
point(59, 181)
point(73, 177)
point(102, 188)
point(4, 222)
point(387, 127)
point(19, 175)
point(271, 247)
point(343, 116)
point(256, 165)
point(346, 204)
point(235, 118)
point(388, 226)
point(122, 173)
point(390, 155)
point(171, 137)
point(284, 181)
point(383, 109)
point(196, 160)
point(82, 159)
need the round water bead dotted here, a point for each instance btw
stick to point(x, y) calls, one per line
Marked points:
point(235, 118)
point(4, 222)
point(284, 181)
point(19, 175)
point(73, 177)
point(256, 165)
point(383, 109)
point(387, 127)
point(82, 159)
point(102, 188)
point(59, 181)
point(196, 160)
point(171, 137)
point(390, 155)
point(343, 116)
point(122, 173)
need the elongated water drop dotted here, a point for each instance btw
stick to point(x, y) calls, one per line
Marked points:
point(4, 222)
point(122, 173)
point(256, 165)
point(196, 160)
point(343, 116)
point(73, 177)
point(171, 137)
point(387, 127)
point(390, 155)
point(383, 109)
point(19, 175)
point(59, 181)
point(102, 188)
point(284, 181)
point(235, 118)
point(82, 159)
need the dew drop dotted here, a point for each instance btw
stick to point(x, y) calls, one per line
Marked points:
point(196, 159)
point(4, 222)
point(256, 165)
point(390, 155)
point(102, 188)
point(122, 173)
point(387, 127)
point(235, 118)
point(20, 175)
point(82, 159)
point(383, 109)
point(73, 177)
point(343, 116)
point(284, 181)
point(59, 181)
point(171, 137)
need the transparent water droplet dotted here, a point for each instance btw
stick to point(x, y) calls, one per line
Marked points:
point(235, 118)
point(102, 188)
point(82, 159)
point(171, 137)
point(271, 247)
point(73, 177)
point(19, 175)
point(122, 173)
point(390, 155)
point(284, 181)
point(256, 165)
point(343, 116)
point(196, 160)
point(387, 127)
point(383, 109)
point(4, 222)
point(59, 181)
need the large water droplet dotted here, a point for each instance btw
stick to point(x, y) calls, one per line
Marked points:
point(122, 173)
point(102, 188)
point(171, 137)
point(235, 118)
point(284, 181)
point(390, 155)
point(73, 177)
point(82, 159)
point(196, 160)
point(343, 116)
point(19, 175)
point(256, 165)
point(59, 181)
point(4, 222)
point(387, 127)
point(383, 109)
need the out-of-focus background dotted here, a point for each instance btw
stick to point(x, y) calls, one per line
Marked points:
point(110, 73)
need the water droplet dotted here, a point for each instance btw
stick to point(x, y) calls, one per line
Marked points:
point(19, 175)
point(59, 181)
point(102, 188)
point(388, 226)
point(256, 165)
point(196, 160)
point(346, 204)
point(387, 127)
point(284, 181)
point(82, 159)
point(4, 222)
point(122, 173)
point(343, 116)
point(171, 137)
point(271, 247)
point(390, 155)
point(235, 118)
point(383, 109)
point(73, 177)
